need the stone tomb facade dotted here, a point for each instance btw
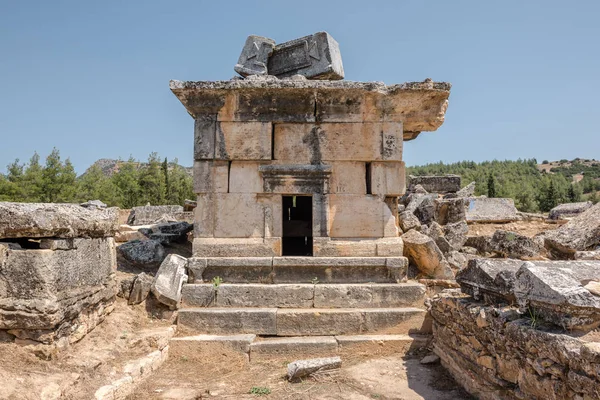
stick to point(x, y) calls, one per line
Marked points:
point(295, 167)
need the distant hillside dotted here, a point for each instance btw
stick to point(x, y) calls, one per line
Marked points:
point(535, 187)
point(110, 167)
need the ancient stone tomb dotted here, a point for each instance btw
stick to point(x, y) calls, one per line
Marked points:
point(295, 167)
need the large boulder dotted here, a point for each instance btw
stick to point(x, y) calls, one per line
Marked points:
point(513, 245)
point(456, 234)
point(425, 211)
point(143, 253)
point(169, 279)
point(39, 220)
point(422, 251)
point(407, 221)
point(491, 210)
point(579, 234)
point(449, 211)
point(569, 210)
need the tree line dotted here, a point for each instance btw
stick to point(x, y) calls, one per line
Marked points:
point(532, 190)
point(133, 184)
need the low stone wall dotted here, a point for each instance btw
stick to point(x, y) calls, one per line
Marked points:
point(497, 353)
point(57, 271)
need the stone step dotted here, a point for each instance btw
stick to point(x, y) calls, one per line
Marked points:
point(356, 295)
point(297, 347)
point(304, 321)
point(300, 269)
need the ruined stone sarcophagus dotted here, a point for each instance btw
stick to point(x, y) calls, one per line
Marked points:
point(57, 270)
point(303, 167)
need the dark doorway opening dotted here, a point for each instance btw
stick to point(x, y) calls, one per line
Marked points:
point(297, 226)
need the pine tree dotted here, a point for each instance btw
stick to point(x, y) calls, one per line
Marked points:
point(181, 185)
point(32, 179)
point(58, 179)
point(491, 186)
point(152, 181)
point(126, 183)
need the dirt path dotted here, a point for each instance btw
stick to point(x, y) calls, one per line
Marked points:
point(228, 376)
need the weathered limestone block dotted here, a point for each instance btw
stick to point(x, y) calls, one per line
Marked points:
point(259, 295)
point(569, 210)
point(45, 294)
point(140, 289)
point(489, 279)
point(408, 221)
point(311, 144)
point(587, 255)
point(237, 247)
point(422, 251)
point(38, 220)
point(436, 184)
point(144, 253)
point(579, 234)
point(298, 179)
point(456, 234)
point(243, 141)
point(204, 221)
point(147, 215)
point(346, 177)
point(449, 211)
point(227, 321)
point(302, 368)
point(315, 56)
point(354, 216)
point(169, 279)
point(238, 215)
point(244, 177)
point(491, 210)
point(425, 211)
point(421, 106)
point(467, 191)
point(168, 232)
point(205, 130)
point(513, 245)
point(255, 56)
point(211, 177)
point(557, 296)
point(387, 178)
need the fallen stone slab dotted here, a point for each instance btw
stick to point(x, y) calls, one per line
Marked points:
point(579, 234)
point(467, 191)
point(435, 184)
point(491, 280)
point(146, 215)
point(168, 232)
point(569, 210)
point(303, 368)
point(491, 210)
point(456, 234)
point(143, 253)
point(513, 245)
point(450, 211)
point(38, 220)
point(169, 279)
point(557, 296)
point(93, 204)
point(422, 251)
point(408, 221)
point(140, 289)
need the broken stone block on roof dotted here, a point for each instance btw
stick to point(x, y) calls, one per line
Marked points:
point(490, 280)
point(422, 251)
point(491, 210)
point(146, 215)
point(513, 245)
point(255, 56)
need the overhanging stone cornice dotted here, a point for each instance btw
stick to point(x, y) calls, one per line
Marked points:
point(420, 106)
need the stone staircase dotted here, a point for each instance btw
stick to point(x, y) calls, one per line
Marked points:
point(302, 306)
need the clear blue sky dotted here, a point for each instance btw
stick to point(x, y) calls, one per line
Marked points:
point(92, 77)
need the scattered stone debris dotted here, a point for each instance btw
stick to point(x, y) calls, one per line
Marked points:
point(579, 234)
point(168, 232)
point(169, 279)
point(422, 251)
point(93, 204)
point(587, 255)
point(569, 210)
point(303, 368)
point(467, 191)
